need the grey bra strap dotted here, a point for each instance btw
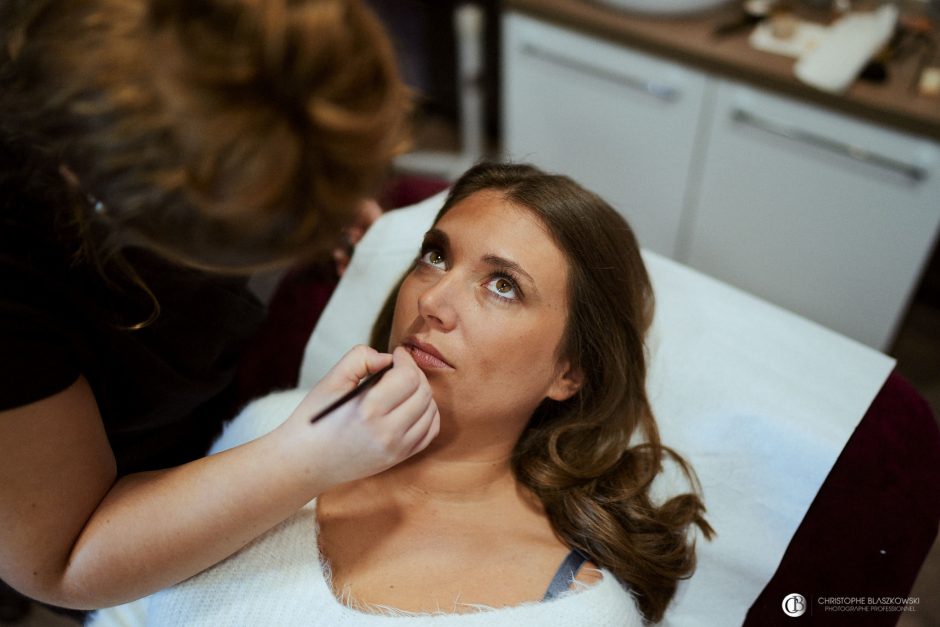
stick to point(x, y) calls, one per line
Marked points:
point(565, 574)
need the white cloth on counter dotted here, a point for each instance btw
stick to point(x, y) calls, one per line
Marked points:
point(846, 47)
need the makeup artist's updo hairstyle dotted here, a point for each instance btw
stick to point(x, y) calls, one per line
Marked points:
point(576, 455)
point(224, 133)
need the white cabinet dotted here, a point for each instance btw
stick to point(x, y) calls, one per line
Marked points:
point(621, 123)
point(826, 216)
point(822, 214)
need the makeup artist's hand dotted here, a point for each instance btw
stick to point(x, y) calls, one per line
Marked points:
point(392, 421)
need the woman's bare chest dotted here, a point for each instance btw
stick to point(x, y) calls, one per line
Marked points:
point(435, 558)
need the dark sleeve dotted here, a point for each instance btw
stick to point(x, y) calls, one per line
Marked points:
point(36, 358)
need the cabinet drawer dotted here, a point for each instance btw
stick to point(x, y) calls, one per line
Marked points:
point(822, 214)
point(622, 123)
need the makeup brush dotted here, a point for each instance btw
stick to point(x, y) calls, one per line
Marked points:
point(366, 383)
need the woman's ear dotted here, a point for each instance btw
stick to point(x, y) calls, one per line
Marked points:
point(567, 382)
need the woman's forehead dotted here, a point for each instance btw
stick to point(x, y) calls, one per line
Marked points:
point(490, 208)
point(489, 218)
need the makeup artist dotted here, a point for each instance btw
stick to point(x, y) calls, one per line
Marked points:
point(152, 152)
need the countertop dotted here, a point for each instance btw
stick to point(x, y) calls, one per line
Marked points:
point(689, 40)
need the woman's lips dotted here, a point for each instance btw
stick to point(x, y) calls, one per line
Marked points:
point(426, 356)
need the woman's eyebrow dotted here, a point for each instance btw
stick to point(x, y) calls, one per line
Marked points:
point(438, 238)
point(501, 263)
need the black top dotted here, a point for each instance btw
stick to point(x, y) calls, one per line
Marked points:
point(161, 389)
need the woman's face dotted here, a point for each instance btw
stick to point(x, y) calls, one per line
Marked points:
point(483, 313)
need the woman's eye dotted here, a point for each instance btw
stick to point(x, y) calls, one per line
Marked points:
point(503, 287)
point(433, 258)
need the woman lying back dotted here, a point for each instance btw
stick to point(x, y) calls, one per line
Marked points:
point(526, 308)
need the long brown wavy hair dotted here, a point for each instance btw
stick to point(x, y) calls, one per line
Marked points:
point(591, 460)
point(220, 133)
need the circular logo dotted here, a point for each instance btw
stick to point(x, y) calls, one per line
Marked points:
point(794, 605)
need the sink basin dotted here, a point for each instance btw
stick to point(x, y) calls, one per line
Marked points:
point(665, 7)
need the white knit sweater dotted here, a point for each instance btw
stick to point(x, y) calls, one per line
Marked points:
point(280, 580)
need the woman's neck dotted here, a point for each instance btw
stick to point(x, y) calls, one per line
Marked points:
point(430, 478)
point(460, 465)
point(446, 486)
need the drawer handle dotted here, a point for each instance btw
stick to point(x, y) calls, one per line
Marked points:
point(856, 153)
point(652, 88)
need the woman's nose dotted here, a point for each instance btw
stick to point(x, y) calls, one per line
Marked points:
point(436, 304)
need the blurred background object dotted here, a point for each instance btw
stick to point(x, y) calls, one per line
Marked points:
point(449, 55)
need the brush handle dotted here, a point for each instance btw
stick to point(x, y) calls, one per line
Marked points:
point(366, 383)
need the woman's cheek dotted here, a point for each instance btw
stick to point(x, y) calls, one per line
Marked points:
point(406, 310)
